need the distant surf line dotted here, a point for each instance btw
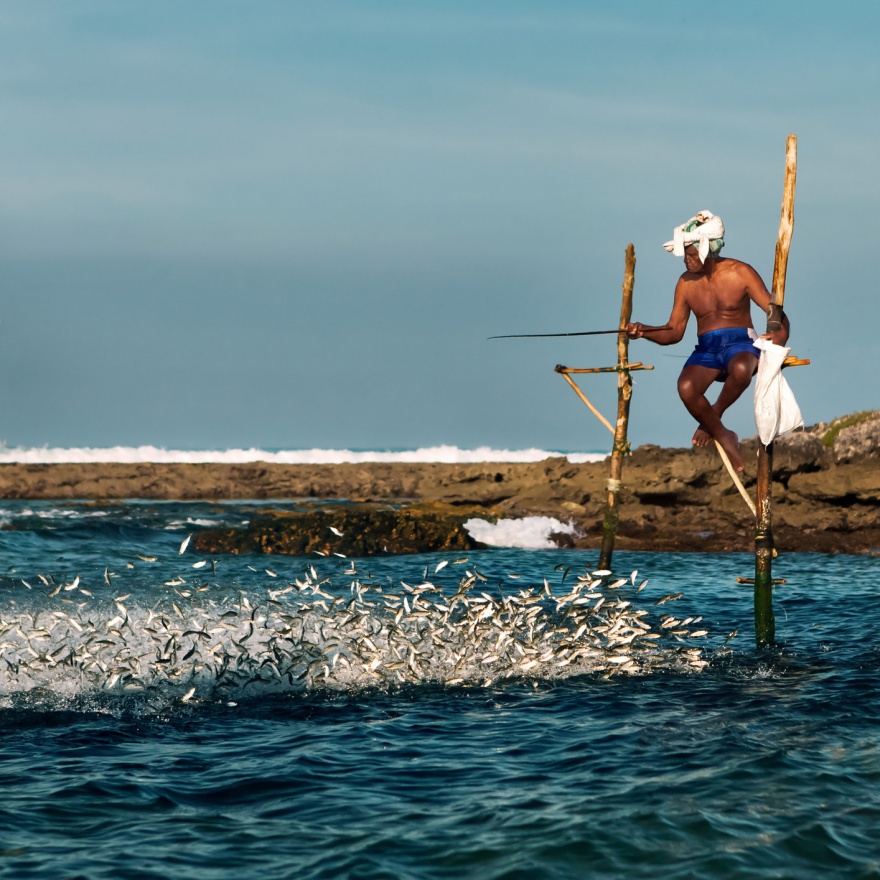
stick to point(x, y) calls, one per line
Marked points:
point(441, 454)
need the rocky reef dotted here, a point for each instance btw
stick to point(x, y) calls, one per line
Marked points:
point(826, 497)
point(346, 530)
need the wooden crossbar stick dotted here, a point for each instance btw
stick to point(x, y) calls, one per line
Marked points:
point(626, 367)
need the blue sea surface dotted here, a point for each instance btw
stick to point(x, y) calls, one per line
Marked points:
point(164, 714)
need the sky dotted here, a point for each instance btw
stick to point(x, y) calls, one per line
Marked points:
point(296, 224)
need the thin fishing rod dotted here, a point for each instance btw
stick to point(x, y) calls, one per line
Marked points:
point(583, 333)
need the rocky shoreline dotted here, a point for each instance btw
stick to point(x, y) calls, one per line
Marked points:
point(826, 492)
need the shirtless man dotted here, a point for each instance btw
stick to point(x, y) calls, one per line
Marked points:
point(719, 292)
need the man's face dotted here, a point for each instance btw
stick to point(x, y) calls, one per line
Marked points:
point(692, 260)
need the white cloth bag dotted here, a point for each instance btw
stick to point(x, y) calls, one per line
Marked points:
point(776, 410)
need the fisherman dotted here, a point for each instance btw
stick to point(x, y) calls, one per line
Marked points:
point(719, 292)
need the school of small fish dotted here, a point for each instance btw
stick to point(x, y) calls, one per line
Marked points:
point(204, 642)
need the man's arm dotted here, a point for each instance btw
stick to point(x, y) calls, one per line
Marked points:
point(675, 326)
point(758, 293)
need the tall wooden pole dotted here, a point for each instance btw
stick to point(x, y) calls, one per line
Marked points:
point(624, 393)
point(765, 623)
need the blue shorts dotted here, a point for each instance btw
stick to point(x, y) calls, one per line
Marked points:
point(715, 348)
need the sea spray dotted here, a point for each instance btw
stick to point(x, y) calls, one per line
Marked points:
point(527, 533)
point(209, 642)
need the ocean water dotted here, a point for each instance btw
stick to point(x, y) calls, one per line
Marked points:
point(509, 715)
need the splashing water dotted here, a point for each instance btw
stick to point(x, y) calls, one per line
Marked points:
point(197, 645)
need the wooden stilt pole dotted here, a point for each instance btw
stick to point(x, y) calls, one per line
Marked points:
point(765, 623)
point(624, 393)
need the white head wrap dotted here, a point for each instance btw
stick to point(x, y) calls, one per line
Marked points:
point(705, 230)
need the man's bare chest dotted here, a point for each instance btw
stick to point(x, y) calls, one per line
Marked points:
point(707, 296)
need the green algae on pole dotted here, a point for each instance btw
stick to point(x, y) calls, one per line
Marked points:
point(765, 622)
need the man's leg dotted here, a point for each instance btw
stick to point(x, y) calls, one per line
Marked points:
point(740, 369)
point(693, 383)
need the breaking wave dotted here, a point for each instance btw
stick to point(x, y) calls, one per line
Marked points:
point(526, 533)
point(154, 454)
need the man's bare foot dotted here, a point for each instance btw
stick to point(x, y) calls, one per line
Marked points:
point(730, 444)
point(701, 437)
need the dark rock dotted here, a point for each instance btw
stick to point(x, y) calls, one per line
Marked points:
point(799, 452)
point(562, 540)
point(844, 485)
point(857, 437)
point(365, 530)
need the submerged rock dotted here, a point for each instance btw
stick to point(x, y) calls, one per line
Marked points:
point(349, 530)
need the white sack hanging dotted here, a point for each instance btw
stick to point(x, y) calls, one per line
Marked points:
point(776, 410)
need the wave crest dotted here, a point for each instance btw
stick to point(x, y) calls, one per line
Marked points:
point(442, 454)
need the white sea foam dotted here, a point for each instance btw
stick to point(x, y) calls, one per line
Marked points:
point(155, 454)
point(527, 533)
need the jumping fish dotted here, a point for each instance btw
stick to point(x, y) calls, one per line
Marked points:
point(368, 631)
